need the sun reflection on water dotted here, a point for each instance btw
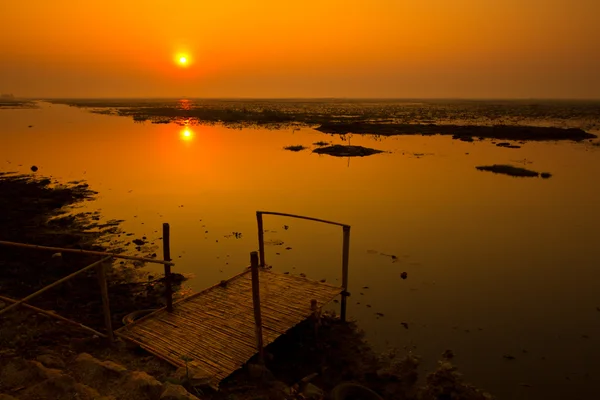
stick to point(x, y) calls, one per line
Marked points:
point(186, 134)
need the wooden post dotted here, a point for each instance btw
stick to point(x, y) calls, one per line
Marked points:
point(345, 256)
point(256, 302)
point(261, 238)
point(315, 319)
point(101, 272)
point(167, 257)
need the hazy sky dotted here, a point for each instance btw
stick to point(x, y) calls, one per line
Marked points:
point(301, 48)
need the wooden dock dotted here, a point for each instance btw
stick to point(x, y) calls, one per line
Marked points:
point(216, 330)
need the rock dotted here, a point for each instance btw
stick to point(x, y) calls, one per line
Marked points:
point(176, 392)
point(91, 370)
point(279, 390)
point(60, 386)
point(192, 376)
point(34, 168)
point(16, 373)
point(404, 275)
point(143, 385)
point(51, 361)
point(312, 392)
point(448, 354)
point(19, 373)
point(257, 371)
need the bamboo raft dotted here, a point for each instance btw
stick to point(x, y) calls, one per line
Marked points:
point(214, 331)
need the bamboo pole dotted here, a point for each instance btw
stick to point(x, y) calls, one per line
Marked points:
point(256, 302)
point(301, 217)
point(315, 319)
point(42, 290)
point(101, 272)
point(261, 238)
point(167, 257)
point(345, 256)
point(56, 316)
point(90, 252)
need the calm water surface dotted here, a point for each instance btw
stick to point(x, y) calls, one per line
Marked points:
point(496, 265)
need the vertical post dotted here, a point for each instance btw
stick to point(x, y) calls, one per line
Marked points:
point(101, 273)
point(261, 238)
point(315, 319)
point(167, 257)
point(256, 302)
point(345, 256)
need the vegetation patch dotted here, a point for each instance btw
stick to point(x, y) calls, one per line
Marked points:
point(338, 150)
point(513, 171)
point(297, 147)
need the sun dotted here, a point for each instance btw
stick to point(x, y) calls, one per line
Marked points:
point(183, 60)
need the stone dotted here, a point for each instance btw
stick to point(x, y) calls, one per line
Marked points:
point(16, 373)
point(257, 371)
point(176, 392)
point(42, 372)
point(60, 386)
point(144, 385)
point(279, 390)
point(51, 361)
point(96, 373)
point(89, 365)
point(192, 376)
point(312, 392)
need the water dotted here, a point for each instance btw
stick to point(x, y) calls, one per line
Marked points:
point(496, 265)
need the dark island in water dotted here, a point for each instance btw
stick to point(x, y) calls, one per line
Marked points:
point(505, 132)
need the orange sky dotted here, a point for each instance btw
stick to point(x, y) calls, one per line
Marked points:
point(308, 48)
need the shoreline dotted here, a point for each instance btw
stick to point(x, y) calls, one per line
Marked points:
point(37, 210)
point(378, 119)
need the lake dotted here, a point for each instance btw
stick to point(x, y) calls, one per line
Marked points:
point(497, 266)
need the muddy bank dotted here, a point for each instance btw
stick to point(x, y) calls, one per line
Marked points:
point(37, 210)
point(285, 113)
point(503, 132)
point(339, 150)
point(295, 148)
point(513, 171)
point(301, 362)
point(13, 104)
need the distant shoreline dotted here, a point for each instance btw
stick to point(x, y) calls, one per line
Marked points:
point(462, 119)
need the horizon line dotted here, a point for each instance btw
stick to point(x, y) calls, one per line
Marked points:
point(308, 98)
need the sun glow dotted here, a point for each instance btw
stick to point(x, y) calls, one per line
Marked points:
point(182, 59)
point(186, 134)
